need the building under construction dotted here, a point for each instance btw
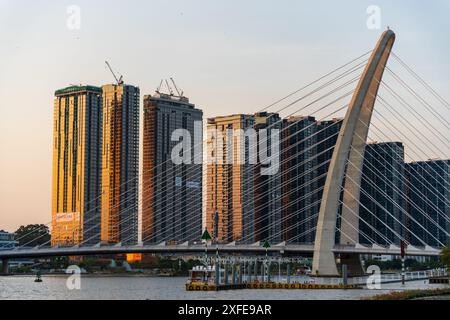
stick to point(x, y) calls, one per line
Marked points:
point(171, 193)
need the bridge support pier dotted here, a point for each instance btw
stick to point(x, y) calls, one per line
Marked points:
point(233, 274)
point(353, 264)
point(263, 272)
point(225, 273)
point(240, 273)
point(288, 272)
point(217, 269)
point(255, 271)
point(5, 266)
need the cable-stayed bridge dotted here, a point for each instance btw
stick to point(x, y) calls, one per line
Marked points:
point(199, 249)
point(328, 195)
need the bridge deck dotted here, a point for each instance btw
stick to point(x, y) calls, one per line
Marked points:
point(288, 249)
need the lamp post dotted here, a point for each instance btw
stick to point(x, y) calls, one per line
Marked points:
point(206, 237)
point(402, 253)
point(266, 246)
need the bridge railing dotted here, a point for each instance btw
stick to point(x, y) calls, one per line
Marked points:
point(397, 277)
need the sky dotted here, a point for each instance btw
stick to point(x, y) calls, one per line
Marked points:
point(227, 56)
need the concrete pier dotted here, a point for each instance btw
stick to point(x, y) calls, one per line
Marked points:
point(233, 274)
point(288, 273)
point(240, 273)
point(353, 262)
point(5, 266)
point(263, 272)
point(225, 273)
point(217, 280)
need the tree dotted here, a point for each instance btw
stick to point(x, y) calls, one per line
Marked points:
point(206, 236)
point(445, 256)
point(32, 235)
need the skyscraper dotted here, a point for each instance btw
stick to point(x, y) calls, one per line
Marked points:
point(229, 181)
point(120, 164)
point(327, 134)
point(382, 195)
point(299, 173)
point(77, 131)
point(172, 192)
point(428, 188)
point(307, 147)
point(267, 187)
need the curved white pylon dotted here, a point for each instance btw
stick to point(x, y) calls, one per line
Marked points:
point(353, 134)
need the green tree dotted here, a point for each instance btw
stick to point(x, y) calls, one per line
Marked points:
point(33, 235)
point(59, 262)
point(445, 256)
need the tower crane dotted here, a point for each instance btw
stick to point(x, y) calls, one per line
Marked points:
point(176, 88)
point(158, 90)
point(119, 80)
point(169, 88)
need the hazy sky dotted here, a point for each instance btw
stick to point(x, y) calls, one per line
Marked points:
point(227, 56)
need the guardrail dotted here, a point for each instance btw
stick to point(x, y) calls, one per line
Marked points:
point(397, 277)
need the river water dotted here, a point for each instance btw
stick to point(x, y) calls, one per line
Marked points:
point(141, 288)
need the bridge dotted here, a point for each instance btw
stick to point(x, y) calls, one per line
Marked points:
point(188, 249)
point(340, 202)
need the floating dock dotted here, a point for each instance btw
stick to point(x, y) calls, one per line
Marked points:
point(255, 285)
point(440, 280)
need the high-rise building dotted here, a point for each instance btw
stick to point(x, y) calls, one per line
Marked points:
point(428, 188)
point(172, 192)
point(120, 164)
point(382, 195)
point(327, 135)
point(299, 173)
point(267, 186)
point(230, 179)
point(77, 131)
point(307, 148)
point(7, 240)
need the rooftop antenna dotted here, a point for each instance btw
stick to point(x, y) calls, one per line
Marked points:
point(119, 80)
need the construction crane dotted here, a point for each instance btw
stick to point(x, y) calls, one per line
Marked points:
point(169, 88)
point(158, 90)
point(118, 80)
point(176, 88)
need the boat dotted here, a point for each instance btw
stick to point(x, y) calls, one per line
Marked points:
point(166, 274)
point(201, 276)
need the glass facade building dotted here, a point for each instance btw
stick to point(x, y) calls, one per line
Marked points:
point(383, 195)
point(267, 185)
point(7, 240)
point(171, 192)
point(428, 188)
point(77, 130)
point(120, 164)
point(306, 151)
point(229, 181)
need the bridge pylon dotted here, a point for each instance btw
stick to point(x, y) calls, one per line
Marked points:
point(350, 146)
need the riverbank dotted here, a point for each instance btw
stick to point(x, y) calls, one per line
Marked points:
point(434, 294)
